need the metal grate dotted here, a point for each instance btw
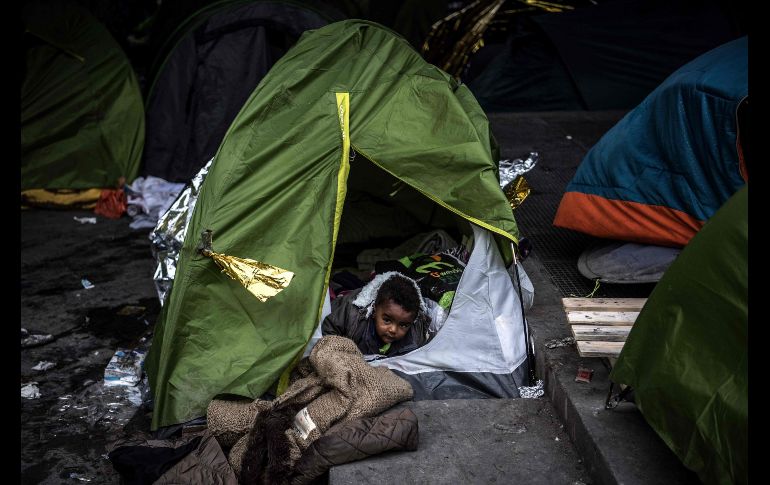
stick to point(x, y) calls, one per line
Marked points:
point(561, 139)
point(558, 249)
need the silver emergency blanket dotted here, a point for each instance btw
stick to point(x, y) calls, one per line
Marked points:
point(510, 169)
point(167, 237)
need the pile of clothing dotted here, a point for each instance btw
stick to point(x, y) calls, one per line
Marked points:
point(336, 409)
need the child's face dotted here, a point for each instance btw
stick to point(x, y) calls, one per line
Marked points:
point(392, 322)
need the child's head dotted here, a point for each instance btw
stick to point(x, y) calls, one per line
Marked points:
point(395, 308)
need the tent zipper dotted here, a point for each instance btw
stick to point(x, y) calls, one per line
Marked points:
point(343, 112)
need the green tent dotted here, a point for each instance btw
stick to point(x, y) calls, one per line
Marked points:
point(686, 356)
point(82, 116)
point(276, 191)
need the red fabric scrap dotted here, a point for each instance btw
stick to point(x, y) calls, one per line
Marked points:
point(112, 203)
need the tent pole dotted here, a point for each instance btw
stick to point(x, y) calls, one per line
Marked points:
point(530, 359)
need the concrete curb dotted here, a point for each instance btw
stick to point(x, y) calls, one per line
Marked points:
point(617, 446)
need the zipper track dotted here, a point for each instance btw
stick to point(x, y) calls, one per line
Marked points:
point(343, 112)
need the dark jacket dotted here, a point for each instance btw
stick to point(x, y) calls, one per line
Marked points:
point(348, 320)
point(190, 459)
point(395, 429)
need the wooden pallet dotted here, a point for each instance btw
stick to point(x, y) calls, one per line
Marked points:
point(600, 325)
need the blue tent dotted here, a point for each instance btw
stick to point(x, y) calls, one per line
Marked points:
point(671, 162)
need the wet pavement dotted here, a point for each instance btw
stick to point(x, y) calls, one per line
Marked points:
point(64, 431)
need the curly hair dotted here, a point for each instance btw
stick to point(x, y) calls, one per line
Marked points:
point(402, 291)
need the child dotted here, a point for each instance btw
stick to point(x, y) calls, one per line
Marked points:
point(388, 316)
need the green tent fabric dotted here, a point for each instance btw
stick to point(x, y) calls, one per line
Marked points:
point(82, 115)
point(275, 193)
point(686, 356)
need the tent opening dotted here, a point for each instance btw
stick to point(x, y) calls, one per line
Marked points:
point(387, 225)
point(382, 214)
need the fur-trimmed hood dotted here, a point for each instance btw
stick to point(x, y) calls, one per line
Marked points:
point(368, 294)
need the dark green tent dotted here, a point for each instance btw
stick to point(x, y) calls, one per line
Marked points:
point(82, 118)
point(205, 72)
point(601, 56)
point(275, 194)
point(686, 356)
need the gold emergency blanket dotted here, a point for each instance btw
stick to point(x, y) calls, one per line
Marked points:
point(262, 280)
point(517, 191)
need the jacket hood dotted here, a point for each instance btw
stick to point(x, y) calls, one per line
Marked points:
point(368, 294)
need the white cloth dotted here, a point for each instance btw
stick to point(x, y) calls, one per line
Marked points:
point(150, 197)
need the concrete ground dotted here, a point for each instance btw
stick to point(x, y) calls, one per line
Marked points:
point(565, 437)
point(477, 441)
point(617, 446)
